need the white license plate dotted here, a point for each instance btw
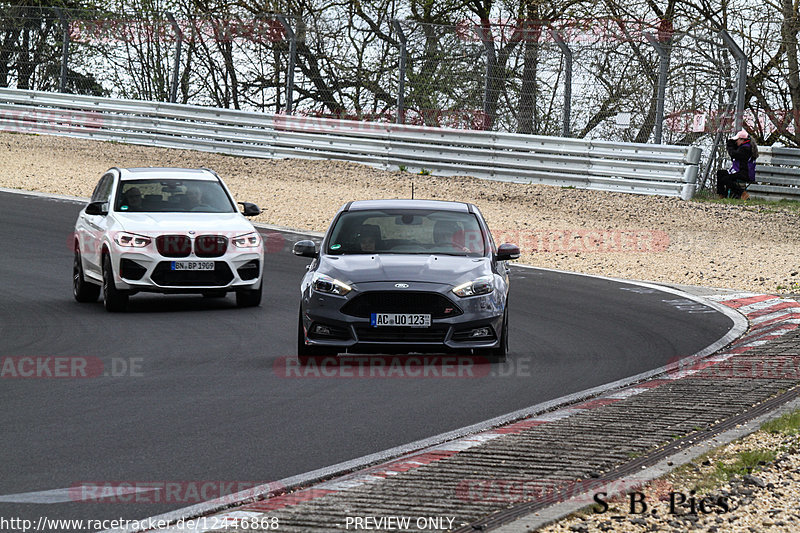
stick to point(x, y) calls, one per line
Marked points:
point(193, 265)
point(400, 319)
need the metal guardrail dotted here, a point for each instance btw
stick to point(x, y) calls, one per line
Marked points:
point(609, 166)
point(777, 174)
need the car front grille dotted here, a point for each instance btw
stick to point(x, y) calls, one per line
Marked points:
point(174, 245)
point(210, 246)
point(432, 303)
point(165, 276)
point(401, 335)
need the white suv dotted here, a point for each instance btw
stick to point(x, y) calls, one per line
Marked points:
point(165, 230)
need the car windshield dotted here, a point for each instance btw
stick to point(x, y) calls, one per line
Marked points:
point(172, 196)
point(407, 232)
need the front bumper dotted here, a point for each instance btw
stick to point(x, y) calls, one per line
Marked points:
point(328, 321)
point(154, 273)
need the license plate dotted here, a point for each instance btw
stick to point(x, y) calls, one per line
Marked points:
point(400, 319)
point(193, 265)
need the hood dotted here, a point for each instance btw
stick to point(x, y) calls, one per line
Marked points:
point(365, 268)
point(160, 223)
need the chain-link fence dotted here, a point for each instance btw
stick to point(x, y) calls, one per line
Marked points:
point(606, 78)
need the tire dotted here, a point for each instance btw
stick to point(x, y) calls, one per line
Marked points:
point(307, 354)
point(249, 297)
point(82, 290)
point(114, 299)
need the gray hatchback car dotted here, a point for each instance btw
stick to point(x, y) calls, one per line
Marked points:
point(405, 276)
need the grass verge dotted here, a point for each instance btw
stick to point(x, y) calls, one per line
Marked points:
point(710, 197)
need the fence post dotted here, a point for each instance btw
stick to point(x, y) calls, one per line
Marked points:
point(741, 77)
point(62, 82)
point(491, 60)
point(663, 69)
point(567, 110)
point(401, 85)
point(292, 57)
point(173, 93)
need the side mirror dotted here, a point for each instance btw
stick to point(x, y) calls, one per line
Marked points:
point(507, 252)
point(97, 208)
point(305, 249)
point(250, 210)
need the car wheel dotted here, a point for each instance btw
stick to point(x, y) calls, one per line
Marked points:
point(114, 299)
point(307, 354)
point(249, 297)
point(83, 291)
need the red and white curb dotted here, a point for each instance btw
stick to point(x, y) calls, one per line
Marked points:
point(769, 317)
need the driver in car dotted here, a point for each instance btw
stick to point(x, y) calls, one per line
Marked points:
point(367, 238)
point(133, 199)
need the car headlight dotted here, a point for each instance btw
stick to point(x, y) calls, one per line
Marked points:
point(329, 285)
point(131, 240)
point(250, 240)
point(482, 285)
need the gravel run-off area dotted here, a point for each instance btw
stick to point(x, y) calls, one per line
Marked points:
point(655, 238)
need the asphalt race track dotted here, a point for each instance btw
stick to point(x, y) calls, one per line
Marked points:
point(195, 394)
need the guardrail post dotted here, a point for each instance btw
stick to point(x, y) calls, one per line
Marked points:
point(401, 75)
point(62, 82)
point(173, 93)
point(567, 110)
point(663, 68)
point(292, 58)
point(741, 77)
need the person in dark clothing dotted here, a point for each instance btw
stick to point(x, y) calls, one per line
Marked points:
point(744, 152)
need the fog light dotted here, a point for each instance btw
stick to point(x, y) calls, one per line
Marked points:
point(481, 332)
point(322, 330)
